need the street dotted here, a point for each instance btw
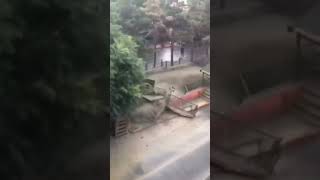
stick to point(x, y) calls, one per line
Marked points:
point(176, 149)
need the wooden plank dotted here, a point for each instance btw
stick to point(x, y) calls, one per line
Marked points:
point(121, 128)
point(121, 134)
point(181, 112)
point(152, 97)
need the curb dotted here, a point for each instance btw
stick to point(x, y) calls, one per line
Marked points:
point(186, 65)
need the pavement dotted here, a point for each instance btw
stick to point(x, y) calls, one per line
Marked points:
point(176, 149)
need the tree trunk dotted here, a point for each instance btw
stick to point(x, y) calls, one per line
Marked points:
point(154, 55)
point(172, 44)
point(192, 51)
point(182, 50)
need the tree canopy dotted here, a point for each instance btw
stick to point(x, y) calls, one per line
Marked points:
point(126, 68)
point(51, 69)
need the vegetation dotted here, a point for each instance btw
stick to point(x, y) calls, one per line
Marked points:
point(51, 69)
point(199, 18)
point(126, 68)
point(132, 23)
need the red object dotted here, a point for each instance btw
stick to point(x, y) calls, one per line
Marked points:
point(263, 109)
point(190, 96)
point(267, 107)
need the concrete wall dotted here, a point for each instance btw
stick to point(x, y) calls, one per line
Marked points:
point(290, 7)
point(249, 45)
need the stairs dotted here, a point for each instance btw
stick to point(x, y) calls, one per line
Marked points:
point(309, 106)
point(309, 63)
point(261, 142)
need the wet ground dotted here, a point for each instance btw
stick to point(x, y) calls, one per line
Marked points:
point(178, 78)
point(178, 145)
point(174, 149)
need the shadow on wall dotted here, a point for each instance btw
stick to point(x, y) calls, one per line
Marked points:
point(268, 62)
point(290, 7)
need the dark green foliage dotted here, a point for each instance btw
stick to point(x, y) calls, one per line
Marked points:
point(51, 59)
point(199, 18)
point(126, 68)
point(135, 22)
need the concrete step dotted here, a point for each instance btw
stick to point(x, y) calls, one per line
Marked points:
point(309, 109)
point(312, 88)
point(231, 162)
point(309, 98)
point(244, 142)
point(289, 127)
point(306, 117)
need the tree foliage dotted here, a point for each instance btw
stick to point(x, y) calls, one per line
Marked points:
point(126, 68)
point(130, 20)
point(198, 17)
point(153, 9)
point(51, 53)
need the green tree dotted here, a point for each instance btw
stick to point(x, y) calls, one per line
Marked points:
point(198, 17)
point(153, 9)
point(51, 70)
point(126, 69)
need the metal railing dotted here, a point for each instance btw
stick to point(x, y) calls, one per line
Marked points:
point(150, 66)
point(301, 35)
point(189, 55)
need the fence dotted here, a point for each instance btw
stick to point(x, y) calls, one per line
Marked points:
point(164, 64)
point(198, 55)
point(312, 40)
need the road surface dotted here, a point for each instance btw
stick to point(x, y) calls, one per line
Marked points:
point(177, 149)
